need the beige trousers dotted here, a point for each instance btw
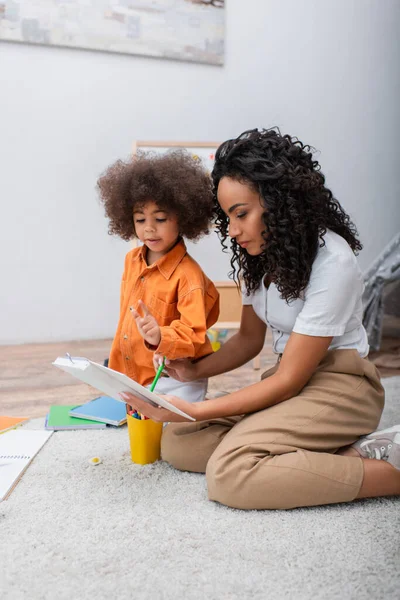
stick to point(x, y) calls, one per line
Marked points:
point(284, 456)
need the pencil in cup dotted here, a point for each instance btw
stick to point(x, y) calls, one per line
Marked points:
point(145, 434)
point(144, 440)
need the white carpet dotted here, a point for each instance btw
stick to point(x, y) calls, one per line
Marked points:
point(74, 531)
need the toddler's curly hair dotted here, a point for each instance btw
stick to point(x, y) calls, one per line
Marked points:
point(176, 181)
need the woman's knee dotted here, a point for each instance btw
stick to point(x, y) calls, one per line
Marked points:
point(179, 448)
point(188, 446)
point(171, 450)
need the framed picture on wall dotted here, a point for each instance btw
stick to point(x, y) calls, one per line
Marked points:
point(189, 30)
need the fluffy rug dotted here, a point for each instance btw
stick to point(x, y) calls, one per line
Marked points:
point(71, 530)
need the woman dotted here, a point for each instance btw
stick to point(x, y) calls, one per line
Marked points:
point(293, 439)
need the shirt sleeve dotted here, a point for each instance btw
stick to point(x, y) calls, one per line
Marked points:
point(184, 336)
point(334, 288)
point(247, 299)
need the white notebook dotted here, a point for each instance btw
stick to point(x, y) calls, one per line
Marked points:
point(111, 382)
point(17, 450)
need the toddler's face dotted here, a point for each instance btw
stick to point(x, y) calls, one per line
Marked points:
point(156, 228)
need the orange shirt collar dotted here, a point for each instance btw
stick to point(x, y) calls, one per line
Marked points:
point(167, 263)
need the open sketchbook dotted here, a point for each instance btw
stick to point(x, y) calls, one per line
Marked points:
point(17, 450)
point(111, 383)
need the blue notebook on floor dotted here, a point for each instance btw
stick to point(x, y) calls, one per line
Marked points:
point(103, 409)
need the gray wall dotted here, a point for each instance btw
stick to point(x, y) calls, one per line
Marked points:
point(324, 70)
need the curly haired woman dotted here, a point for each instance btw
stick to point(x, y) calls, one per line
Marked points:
point(167, 302)
point(294, 438)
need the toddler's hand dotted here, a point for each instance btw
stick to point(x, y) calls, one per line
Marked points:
point(147, 325)
point(157, 360)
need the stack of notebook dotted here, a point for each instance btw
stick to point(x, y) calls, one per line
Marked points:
point(96, 414)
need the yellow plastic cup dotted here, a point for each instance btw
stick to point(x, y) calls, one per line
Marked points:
point(144, 440)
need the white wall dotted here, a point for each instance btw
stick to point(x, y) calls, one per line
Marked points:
point(324, 70)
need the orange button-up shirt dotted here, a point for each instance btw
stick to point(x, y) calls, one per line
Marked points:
point(182, 299)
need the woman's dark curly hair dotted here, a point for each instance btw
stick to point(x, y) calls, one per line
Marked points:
point(175, 181)
point(298, 208)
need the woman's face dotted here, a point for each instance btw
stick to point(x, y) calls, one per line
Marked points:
point(242, 205)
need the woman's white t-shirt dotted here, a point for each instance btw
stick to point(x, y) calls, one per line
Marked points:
point(330, 305)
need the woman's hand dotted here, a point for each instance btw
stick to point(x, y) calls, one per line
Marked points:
point(162, 414)
point(181, 369)
point(147, 325)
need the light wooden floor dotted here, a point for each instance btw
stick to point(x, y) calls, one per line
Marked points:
point(29, 384)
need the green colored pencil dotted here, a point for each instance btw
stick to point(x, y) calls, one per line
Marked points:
point(158, 375)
